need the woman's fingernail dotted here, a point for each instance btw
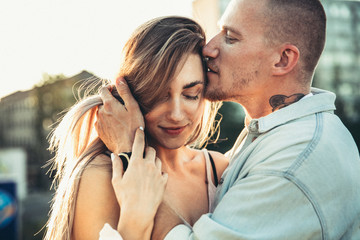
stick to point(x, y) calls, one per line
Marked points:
point(112, 156)
point(141, 128)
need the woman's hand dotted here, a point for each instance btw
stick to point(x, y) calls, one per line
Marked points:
point(139, 190)
point(116, 122)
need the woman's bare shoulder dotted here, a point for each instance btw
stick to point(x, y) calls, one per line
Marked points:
point(221, 162)
point(101, 160)
point(96, 202)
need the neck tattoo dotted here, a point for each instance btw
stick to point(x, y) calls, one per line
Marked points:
point(279, 101)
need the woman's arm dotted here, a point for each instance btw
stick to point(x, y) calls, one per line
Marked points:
point(96, 203)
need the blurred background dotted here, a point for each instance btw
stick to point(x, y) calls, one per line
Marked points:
point(48, 48)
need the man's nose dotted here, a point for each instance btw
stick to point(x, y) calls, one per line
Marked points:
point(211, 50)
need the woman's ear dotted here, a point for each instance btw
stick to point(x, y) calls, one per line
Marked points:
point(286, 60)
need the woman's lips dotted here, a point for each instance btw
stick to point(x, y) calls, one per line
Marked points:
point(173, 130)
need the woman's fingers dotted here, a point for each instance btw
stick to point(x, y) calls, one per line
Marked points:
point(158, 163)
point(139, 145)
point(117, 168)
point(150, 154)
point(164, 175)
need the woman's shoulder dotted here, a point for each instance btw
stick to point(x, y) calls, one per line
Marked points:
point(101, 160)
point(220, 160)
point(96, 176)
point(96, 202)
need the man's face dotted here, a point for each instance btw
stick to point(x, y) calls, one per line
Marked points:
point(238, 57)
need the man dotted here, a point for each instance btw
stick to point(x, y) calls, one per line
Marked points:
point(294, 170)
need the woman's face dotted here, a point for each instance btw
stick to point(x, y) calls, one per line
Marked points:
point(172, 121)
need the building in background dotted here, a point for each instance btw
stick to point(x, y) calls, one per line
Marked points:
point(26, 119)
point(339, 66)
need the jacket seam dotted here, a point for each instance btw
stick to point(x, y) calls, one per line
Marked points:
point(307, 193)
point(311, 146)
point(311, 199)
point(290, 173)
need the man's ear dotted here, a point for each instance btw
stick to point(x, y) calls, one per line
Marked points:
point(286, 60)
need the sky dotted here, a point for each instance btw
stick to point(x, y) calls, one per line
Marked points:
point(68, 36)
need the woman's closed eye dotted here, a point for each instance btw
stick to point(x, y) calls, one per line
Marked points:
point(192, 97)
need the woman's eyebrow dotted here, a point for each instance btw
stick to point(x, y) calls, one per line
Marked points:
point(192, 84)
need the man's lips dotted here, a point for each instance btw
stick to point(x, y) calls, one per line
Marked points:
point(211, 68)
point(173, 130)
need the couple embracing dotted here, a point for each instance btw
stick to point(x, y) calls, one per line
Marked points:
point(128, 160)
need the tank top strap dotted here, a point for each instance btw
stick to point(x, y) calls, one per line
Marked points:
point(209, 162)
point(211, 186)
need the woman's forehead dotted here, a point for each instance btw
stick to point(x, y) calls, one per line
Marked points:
point(190, 74)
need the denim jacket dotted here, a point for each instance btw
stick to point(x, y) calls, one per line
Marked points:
point(294, 174)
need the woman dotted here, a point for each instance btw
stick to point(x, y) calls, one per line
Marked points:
point(163, 67)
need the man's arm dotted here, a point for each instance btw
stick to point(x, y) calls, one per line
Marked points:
point(260, 206)
point(116, 122)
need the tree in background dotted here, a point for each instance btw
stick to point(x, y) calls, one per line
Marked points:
point(232, 122)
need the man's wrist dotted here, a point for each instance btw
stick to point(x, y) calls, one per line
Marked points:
point(121, 149)
point(126, 144)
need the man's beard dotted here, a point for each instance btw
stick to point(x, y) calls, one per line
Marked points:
point(215, 95)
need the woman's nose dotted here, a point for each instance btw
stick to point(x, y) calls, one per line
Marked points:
point(176, 113)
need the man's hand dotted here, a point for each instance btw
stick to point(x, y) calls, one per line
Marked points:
point(116, 123)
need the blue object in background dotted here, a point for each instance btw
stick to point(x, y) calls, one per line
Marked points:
point(8, 211)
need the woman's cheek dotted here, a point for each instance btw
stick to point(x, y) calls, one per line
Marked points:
point(199, 110)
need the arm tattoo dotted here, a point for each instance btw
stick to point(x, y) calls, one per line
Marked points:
point(279, 101)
